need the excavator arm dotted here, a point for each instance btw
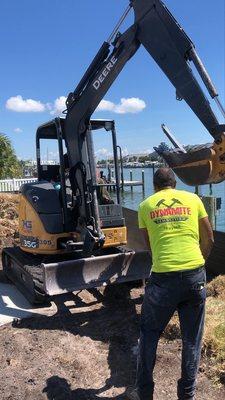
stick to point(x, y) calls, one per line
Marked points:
point(173, 51)
point(156, 29)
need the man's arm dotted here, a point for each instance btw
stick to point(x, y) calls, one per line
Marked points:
point(206, 237)
point(145, 236)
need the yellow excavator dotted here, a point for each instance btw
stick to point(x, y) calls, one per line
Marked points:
point(69, 239)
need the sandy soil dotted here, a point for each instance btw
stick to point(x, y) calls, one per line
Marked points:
point(86, 351)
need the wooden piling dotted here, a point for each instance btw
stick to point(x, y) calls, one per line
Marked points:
point(131, 178)
point(143, 180)
point(153, 169)
point(210, 189)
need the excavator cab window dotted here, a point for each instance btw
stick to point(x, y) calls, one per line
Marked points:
point(107, 186)
point(107, 204)
point(47, 151)
point(49, 168)
point(106, 162)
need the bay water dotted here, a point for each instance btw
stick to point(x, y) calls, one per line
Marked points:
point(132, 199)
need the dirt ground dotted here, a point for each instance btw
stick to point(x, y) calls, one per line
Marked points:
point(87, 350)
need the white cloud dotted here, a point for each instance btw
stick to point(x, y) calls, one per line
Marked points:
point(18, 104)
point(125, 152)
point(59, 105)
point(105, 153)
point(105, 105)
point(146, 151)
point(18, 130)
point(48, 106)
point(132, 105)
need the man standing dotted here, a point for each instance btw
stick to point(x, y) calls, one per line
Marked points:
point(176, 227)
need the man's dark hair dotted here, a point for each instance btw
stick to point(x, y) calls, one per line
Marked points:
point(164, 177)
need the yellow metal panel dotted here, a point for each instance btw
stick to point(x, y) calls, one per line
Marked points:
point(115, 236)
point(33, 237)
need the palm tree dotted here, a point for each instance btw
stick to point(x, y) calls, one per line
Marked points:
point(9, 164)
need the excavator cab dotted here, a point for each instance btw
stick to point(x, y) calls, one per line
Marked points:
point(57, 198)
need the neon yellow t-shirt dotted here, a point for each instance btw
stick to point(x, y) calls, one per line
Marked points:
point(172, 219)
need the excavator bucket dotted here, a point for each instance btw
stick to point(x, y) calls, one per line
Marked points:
point(202, 165)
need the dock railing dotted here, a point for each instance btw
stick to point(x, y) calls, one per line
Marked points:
point(14, 185)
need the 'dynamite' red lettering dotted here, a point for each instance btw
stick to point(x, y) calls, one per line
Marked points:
point(170, 211)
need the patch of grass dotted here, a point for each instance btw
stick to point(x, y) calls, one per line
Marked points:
point(172, 330)
point(214, 335)
point(214, 338)
point(216, 288)
point(9, 204)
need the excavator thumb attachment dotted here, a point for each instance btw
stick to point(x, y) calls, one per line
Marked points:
point(202, 165)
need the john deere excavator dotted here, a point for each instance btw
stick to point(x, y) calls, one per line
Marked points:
point(72, 241)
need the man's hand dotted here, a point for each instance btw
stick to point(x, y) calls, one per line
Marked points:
point(206, 237)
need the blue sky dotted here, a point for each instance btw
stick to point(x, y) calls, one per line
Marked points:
point(47, 45)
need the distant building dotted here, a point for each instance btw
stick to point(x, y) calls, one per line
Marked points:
point(134, 157)
point(30, 167)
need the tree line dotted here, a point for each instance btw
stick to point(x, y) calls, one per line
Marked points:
point(10, 166)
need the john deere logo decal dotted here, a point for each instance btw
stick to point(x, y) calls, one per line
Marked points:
point(173, 214)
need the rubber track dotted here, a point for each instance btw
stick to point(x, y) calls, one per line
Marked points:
point(32, 265)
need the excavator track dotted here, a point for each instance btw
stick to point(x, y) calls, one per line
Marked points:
point(25, 271)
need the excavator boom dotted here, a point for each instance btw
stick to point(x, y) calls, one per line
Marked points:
point(157, 30)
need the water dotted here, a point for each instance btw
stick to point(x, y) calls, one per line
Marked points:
point(132, 200)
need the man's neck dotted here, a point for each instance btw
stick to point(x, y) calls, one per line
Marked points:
point(163, 188)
